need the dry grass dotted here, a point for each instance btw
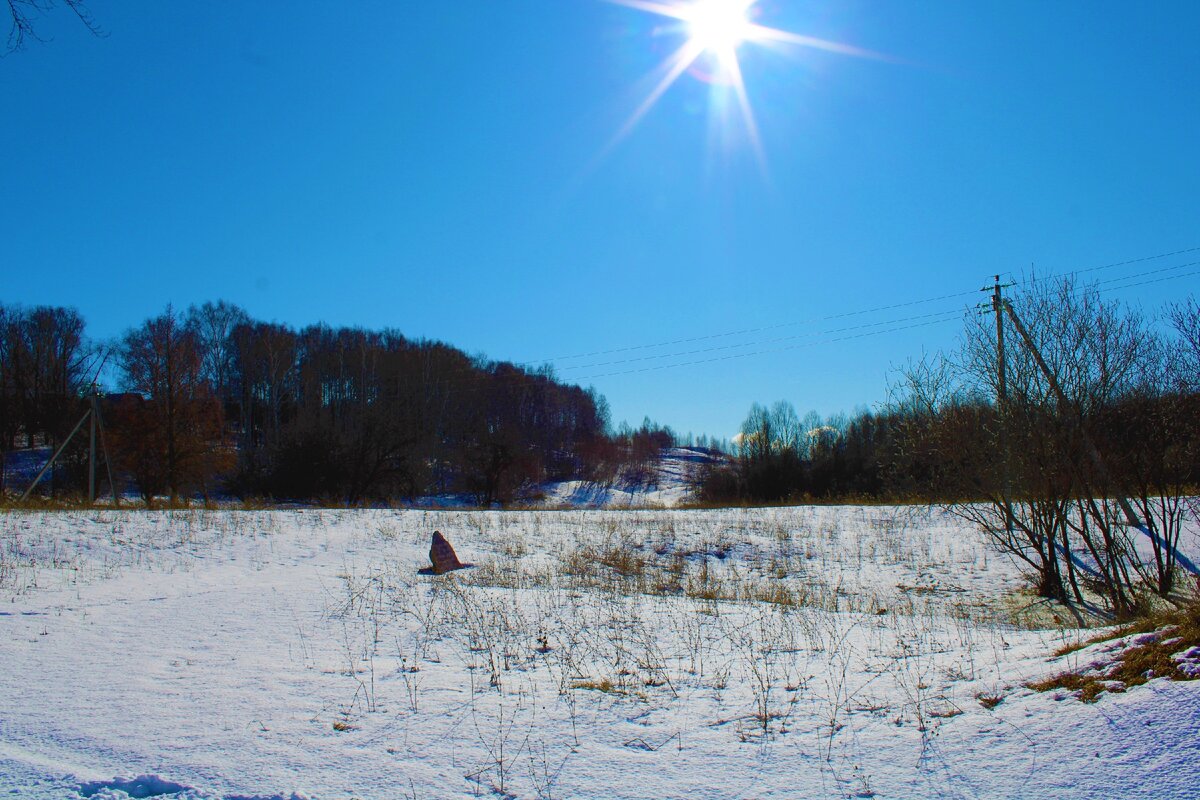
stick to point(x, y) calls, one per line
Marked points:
point(342, 725)
point(989, 701)
point(602, 685)
point(1149, 652)
point(60, 503)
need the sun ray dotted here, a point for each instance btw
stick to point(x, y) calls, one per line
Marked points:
point(761, 33)
point(674, 66)
point(739, 88)
point(716, 29)
point(662, 9)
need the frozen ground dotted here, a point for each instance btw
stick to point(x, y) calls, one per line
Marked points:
point(779, 653)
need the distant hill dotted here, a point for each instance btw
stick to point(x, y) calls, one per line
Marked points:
point(670, 484)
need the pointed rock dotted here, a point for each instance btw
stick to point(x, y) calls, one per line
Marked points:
point(442, 555)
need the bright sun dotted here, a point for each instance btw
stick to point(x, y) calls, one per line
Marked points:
point(719, 26)
point(715, 29)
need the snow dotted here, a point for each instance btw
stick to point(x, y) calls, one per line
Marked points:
point(213, 655)
point(669, 485)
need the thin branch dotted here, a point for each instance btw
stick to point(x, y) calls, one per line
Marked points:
point(24, 13)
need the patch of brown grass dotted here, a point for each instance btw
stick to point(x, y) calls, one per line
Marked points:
point(1145, 625)
point(623, 561)
point(607, 686)
point(60, 503)
point(602, 685)
point(778, 594)
point(989, 701)
point(1149, 653)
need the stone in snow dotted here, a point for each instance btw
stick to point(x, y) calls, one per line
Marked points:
point(442, 556)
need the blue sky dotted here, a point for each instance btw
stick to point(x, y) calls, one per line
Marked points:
point(445, 169)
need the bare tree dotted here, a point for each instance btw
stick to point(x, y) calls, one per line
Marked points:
point(45, 364)
point(1150, 441)
point(1081, 359)
point(266, 358)
point(788, 434)
point(174, 436)
point(25, 14)
point(1185, 357)
point(214, 324)
point(1083, 439)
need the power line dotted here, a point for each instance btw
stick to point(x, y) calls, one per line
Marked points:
point(744, 331)
point(455, 376)
point(1155, 280)
point(1099, 286)
point(888, 326)
point(772, 351)
point(1117, 264)
point(717, 348)
point(815, 320)
point(1150, 272)
point(939, 317)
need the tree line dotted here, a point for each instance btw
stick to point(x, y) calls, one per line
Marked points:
point(215, 401)
point(780, 457)
point(1081, 466)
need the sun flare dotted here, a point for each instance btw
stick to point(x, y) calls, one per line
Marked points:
point(714, 30)
point(719, 26)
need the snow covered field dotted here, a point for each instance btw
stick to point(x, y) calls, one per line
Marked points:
point(787, 653)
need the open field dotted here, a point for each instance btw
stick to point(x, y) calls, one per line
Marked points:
point(806, 652)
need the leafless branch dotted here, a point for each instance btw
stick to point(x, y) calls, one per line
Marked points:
point(25, 13)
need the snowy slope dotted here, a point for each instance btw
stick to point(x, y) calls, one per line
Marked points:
point(225, 654)
point(669, 485)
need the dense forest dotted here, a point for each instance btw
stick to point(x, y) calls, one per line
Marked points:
point(213, 401)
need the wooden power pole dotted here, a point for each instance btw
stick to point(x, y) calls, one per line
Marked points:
point(1002, 399)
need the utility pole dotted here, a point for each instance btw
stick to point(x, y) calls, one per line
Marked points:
point(1002, 397)
point(99, 421)
point(97, 424)
point(92, 448)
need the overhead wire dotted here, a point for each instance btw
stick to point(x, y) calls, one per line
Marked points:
point(1033, 277)
point(938, 317)
point(746, 331)
point(864, 330)
point(828, 318)
point(1155, 280)
point(884, 327)
point(1151, 272)
point(757, 343)
point(1114, 264)
point(945, 317)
